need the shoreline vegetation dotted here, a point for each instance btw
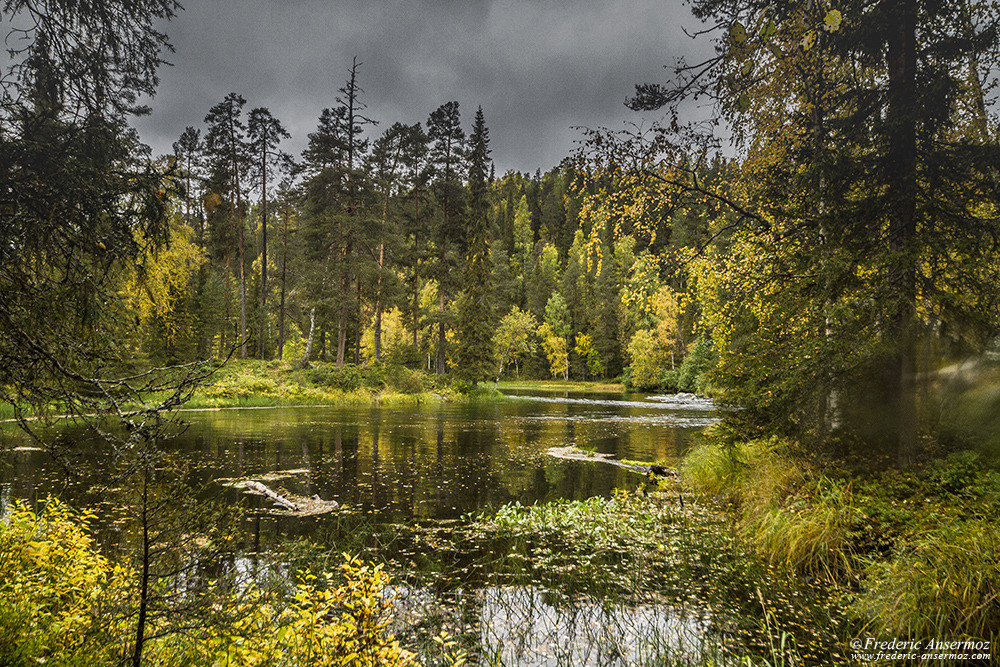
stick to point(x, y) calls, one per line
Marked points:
point(887, 566)
point(912, 553)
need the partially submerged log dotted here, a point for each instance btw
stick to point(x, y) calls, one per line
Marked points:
point(571, 453)
point(276, 497)
point(289, 503)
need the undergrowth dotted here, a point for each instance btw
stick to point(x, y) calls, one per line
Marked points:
point(918, 553)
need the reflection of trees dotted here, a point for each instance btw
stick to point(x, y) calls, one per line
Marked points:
point(418, 461)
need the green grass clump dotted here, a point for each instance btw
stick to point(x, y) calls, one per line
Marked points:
point(789, 514)
point(755, 475)
point(808, 533)
point(945, 582)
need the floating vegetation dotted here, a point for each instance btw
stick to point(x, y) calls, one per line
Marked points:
point(628, 580)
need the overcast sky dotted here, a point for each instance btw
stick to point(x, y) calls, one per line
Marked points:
point(537, 67)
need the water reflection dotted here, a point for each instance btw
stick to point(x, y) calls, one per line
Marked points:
point(531, 626)
point(418, 462)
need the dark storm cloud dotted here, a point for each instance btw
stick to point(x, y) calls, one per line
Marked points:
point(537, 67)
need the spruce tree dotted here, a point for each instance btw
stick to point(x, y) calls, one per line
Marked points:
point(475, 309)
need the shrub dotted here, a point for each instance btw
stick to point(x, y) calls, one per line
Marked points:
point(54, 588)
point(348, 378)
point(63, 603)
point(329, 623)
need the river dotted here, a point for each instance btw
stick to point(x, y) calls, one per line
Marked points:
point(409, 477)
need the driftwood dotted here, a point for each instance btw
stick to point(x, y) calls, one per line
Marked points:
point(276, 497)
point(573, 454)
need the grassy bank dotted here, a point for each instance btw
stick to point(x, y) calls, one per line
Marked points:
point(558, 385)
point(917, 554)
point(254, 383)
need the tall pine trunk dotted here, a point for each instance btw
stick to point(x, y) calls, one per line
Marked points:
point(263, 256)
point(901, 170)
point(284, 264)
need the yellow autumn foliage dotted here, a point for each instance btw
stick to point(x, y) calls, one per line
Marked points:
point(160, 279)
point(63, 603)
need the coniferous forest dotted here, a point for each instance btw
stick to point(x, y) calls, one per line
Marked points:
point(808, 235)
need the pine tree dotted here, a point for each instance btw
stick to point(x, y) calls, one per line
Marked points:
point(227, 147)
point(475, 311)
point(265, 133)
point(447, 163)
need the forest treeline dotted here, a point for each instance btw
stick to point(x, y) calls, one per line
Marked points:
point(812, 264)
point(403, 246)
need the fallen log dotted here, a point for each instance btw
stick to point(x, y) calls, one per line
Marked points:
point(276, 497)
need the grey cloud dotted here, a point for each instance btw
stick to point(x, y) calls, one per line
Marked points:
point(537, 67)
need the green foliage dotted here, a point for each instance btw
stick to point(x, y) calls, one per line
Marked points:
point(916, 574)
point(348, 378)
point(58, 594)
point(63, 603)
point(790, 517)
point(942, 582)
point(648, 360)
point(515, 337)
point(585, 349)
point(970, 414)
point(701, 359)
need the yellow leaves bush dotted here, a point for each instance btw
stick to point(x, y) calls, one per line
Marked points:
point(53, 584)
point(63, 603)
point(327, 625)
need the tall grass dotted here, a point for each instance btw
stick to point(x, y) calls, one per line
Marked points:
point(921, 548)
point(944, 583)
point(789, 514)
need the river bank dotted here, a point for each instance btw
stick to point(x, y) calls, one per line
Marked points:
point(915, 554)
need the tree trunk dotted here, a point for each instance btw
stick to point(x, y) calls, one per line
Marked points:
point(284, 263)
point(440, 369)
point(901, 180)
point(309, 341)
point(238, 215)
point(140, 623)
point(377, 352)
point(263, 256)
point(357, 327)
point(341, 339)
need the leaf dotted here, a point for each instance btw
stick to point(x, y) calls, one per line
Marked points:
point(832, 20)
point(768, 30)
point(743, 103)
point(775, 51)
point(738, 33)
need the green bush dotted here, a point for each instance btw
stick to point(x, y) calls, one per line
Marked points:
point(348, 378)
point(693, 371)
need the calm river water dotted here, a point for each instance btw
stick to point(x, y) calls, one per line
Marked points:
point(434, 461)
point(411, 472)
